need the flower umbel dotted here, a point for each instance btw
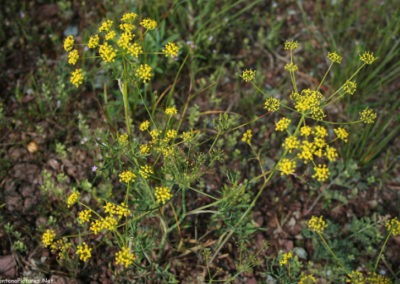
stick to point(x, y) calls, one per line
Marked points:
point(248, 75)
point(144, 73)
point(171, 50)
point(291, 45)
point(72, 199)
point(334, 57)
point(148, 24)
point(367, 57)
point(163, 194)
point(69, 43)
point(393, 226)
point(84, 252)
point(368, 116)
point(247, 136)
point(127, 177)
point(282, 124)
point(317, 224)
point(285, 258)
point(272, 104)
point(124, 257)
point(48, 237)
point(77, 77)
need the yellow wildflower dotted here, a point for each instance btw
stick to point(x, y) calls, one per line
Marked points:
point(272, 104)
point(291, 45)
point(291, 67)
point(282, 124)
point(127, 177)
point(73, 57)
point(135, 49)
point(163, 194)
point(171, 134)
point(350, 87)
point(305, 131)
point(246, 138)
point(317, 224)
point(356, 277)
point(144, 73)
point(93, 41)
point(307, 151)
point(106, 26)
point(128, 17)
point(84, 252)
point(367, 57)
point(69, 43)
point(171, 111)
point(341, 133)
point(124, 257)
point(123, 139)
point(72, 199)
point(368, 116)
point(110, 35)
point(124, 40)
point(126, 27)
point(77, 77)
point(146, 171)
point(84, 216)
point(334, 57)
point(148, 24)
point(291, 143)
point(285, 258)
point(248, 75)
point(48, 237)
point(107, 52)
point(320, 131)
point(331, 153)
point(171, 50)
point(393, 226)
point(144, 125)
point(144, 149)
point(321, 172)
point(286, 166)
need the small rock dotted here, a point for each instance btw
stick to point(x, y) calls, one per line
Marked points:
point(8, 267)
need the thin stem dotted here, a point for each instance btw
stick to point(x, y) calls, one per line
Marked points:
point(331, 252)
point(381, 252)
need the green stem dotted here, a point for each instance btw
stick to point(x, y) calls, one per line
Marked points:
point(323, 78)
point(381, 252)
point(124, 90)
point(331, 252)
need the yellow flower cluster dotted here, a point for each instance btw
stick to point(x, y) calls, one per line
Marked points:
point(272, 104)
point(106, 26)
point(48, 237)
point(393, 226)
point(117, 210)
point(356, 277)
point(84, 252)
point(129, 17)
point(285, 258)
point(309, 102)
point(84, 216)
point(108, 223)
point(321, 172)
point(171, 111)
point(148, 24)
point(135, 49)
point(342, 134)
point(127, 177)
point(291, 67)
point(146, 171)
point(77, 77)
point(171, 134)
point(367, 57)
point(317, 224)
point(123, 139)
point(291, 45)
point(144, 149)
point(282, 124)
point(368, 116)
point(350, 87)
point(171, 50)
point(286, 166)
point(73, 57)
point(163, 194)
point(144, 125)
point(334, 57)
point(93, 41)
point(107, 52)
point(69, 43)
point(248, 75)
point(246, 138)
point(143, 72)
point(72, 199)
point(62, 246)
point(124, 257)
